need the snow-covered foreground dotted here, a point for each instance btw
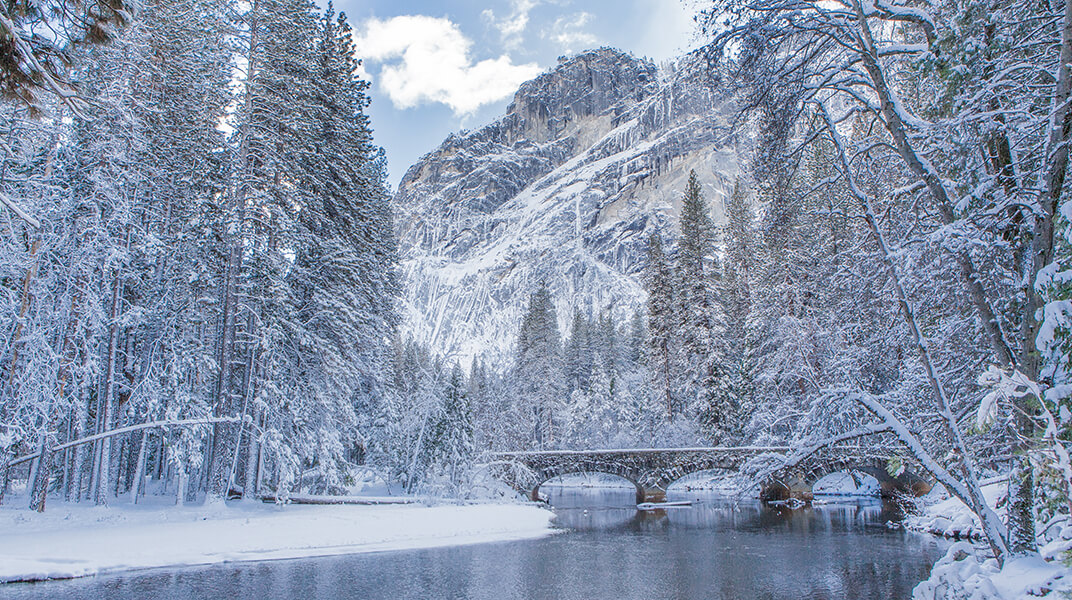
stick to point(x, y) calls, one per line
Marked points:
point(74, 541)
point(965, 572)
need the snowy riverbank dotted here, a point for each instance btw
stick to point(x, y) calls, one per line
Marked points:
point(966, 572)
point(75, 541)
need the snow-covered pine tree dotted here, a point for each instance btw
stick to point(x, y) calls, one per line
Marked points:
point(661, 340)
point(699, 364)
point(182, 276)
point(735, 293)
point(538, 370)
point(453, 434)
point(41, 35)
point(577, 356)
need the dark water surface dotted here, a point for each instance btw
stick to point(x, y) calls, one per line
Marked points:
point(713, 550)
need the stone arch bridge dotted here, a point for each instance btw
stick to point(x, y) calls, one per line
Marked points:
point(652, 470)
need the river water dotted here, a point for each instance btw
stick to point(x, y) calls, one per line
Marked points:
point(715, 549)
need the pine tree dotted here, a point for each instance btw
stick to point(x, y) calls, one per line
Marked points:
point(31, 63)
point(736, 299)
point(662, 338)
point(539, 368)
point(699, 365)
point(578, 354)
point(453, 436)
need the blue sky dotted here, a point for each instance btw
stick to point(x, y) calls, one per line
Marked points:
point(438, 67)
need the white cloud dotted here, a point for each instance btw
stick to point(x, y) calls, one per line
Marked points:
point(569, 34)
point(670, 29)
point(426, 59)
point(512, 28)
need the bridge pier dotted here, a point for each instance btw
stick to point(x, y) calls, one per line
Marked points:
point(652, 494)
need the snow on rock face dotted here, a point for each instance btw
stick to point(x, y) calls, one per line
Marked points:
point(589, 159)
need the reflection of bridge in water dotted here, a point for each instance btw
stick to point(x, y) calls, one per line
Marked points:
point(652, 470)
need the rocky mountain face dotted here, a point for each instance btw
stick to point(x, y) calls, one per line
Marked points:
point(589, 160)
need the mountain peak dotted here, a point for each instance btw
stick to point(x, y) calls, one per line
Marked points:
point(589, 159)
point(588, 84)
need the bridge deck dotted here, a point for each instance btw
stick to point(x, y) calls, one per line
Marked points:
point(642, 451)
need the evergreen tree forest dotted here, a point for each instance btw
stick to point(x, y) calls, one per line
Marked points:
point(198, 257)
point(679, 372)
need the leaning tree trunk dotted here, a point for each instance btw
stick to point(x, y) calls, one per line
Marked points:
point(992, 526)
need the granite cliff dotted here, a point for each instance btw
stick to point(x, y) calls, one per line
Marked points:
point(590, 158)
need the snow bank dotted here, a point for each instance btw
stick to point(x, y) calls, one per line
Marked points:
point(74, 541)
point(966, 572)
point(947, 516)
point(960, 574)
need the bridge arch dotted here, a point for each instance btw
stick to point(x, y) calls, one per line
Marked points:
point(546, 475)
point(651, 471)
point(798, 480)
point(684, 482)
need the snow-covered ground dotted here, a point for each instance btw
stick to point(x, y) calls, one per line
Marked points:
point(588, 480)
point(843, 483)
point(74, 541)
point(965, 572)
point(962, 574)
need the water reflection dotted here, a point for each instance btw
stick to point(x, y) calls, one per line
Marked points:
point(586, 509)
point(717, 549)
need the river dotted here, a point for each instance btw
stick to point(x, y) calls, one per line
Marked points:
point(715, 549)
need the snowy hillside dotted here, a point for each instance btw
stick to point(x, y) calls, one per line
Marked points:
point(589, 159)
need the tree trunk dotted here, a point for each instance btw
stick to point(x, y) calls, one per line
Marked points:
point(180, 488)
point(1021, 514)
point(24, 307)
point(249, 485)
point(5, 476)
point(139, 468)
point(218, 452)
point(104, 466)
point(39, 483)
point(78, 464)
point(890, 107)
